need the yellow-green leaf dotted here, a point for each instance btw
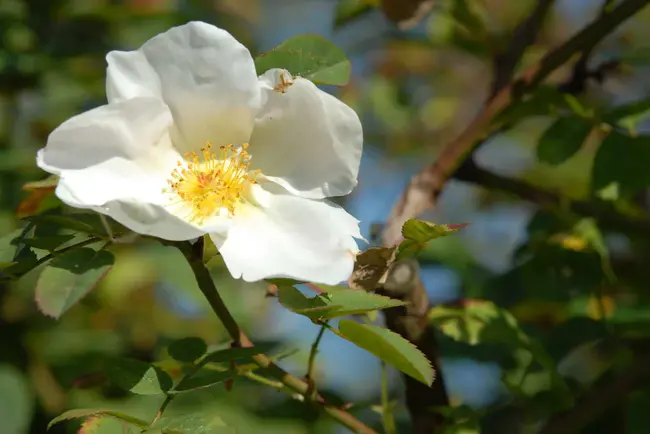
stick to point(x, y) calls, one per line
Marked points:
point(389, 347)
point(309, 56)
point(84, 413)
point(334, 304)
point(138, 377)
point(69, 277)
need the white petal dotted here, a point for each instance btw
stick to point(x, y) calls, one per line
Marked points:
point(203, 74)
point(289, 236)
point(115, 159)
point(305, 139)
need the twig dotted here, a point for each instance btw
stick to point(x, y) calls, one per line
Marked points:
point(311, 364)
point(425, 187)
point(193, 254)
point(603, 211)
point(523, 36)
point(386, 409)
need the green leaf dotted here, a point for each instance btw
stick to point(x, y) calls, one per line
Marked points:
point(334, 304)
point(191, 424)
point(69, 277)
point(562, 139)
point(187, 349)
point(204, 378)
point(88, 223)
point(281, 281)
point(629, 115)
point(349, 10)
point(545, 101)
point(16, 401)
point(309, 56)
point(389, 347)
point(49, 243)
point(138, 377)
point(417, 233)
point(106, 425)
point(478, 321)
point(8, 248)
point(329, 288)
point(482, 322)
point(622, 160)
point(84, 413)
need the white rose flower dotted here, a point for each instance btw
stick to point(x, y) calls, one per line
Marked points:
point(192, 142)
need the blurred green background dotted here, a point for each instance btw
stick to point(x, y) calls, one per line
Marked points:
point(415, 90)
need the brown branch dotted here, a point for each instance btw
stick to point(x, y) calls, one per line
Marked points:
point(599, 399)
point(524, 35)
point(425, 187)
point(410, 322)
point(601, 210)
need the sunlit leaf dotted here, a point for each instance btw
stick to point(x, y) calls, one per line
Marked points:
point(102, 424)
point(84, 413)
point(69, 277)
point(417, 233)
point(138, 377)
point(389, 347)
point(187, 349)
point(334, 304)
point(309, 56)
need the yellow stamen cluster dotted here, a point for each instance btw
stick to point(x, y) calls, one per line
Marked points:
point(209, 182)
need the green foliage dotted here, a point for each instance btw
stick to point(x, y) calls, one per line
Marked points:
point(333, 304)
point(16, 400)
point(86, 223)
point(86, 413)
point(309, 56)
point(348, 11)
point(191, 424)
point(69, 277)
point(138, 377)
point(389, 347)
point(562, 139)
point(187, 349)
point(417, 233)
point(567, 316)
point(622, 161)
point(201, 379)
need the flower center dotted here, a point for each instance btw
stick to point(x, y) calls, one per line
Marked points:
point(208, 183)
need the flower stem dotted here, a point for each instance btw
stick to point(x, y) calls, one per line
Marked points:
point(386, 410)
point(193, 254)
point(311, 363)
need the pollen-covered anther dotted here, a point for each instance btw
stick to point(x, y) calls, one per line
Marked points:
point(209, 182)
